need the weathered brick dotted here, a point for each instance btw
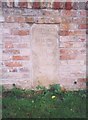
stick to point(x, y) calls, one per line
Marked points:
point(63, 33)
point(4, 4)
point(83, 26)
point(13, 70)
point(49, 4)
point(82, 13)
point(72, 63)
point(68, 5)
point(0, 4)
point(2, 19)
point(65, 20)
point(69, 54)
point(9, 19)
point(11, 51)
point(25, 51)
point(79, 5)
point(20, 32)
point(75, 5)
point(19, 19)
point(86, 5)
point(71, 32)
point(56, 5)
point(29, 4)
point(48, 20)
point(71, 44)
point(82, 80)
point(10, 3)
point(36, 5)
point(20, 58)
point(69, 13)
point(82, 5)
point(80, 20)
point(24, 69)
point(9, 45)
point(43, 5)
point(23, 4)
point(21, 45)
point(13, 64)
point(29, 19)
point(65, 27)
point(87, 31)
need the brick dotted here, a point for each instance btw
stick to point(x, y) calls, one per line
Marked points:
point(2, 19)
point(82, 80)
point(73, 26)
point(48, 20)
point(36, 5)
point(82, 13)
point(23, 4)
point(4, 4)
point(19, 19)
point(63, 33)
point(82, 5)
point(56, 5)
point(81, 83)
point(24, 69)
point(75, 5)
point(11, 51)
point(29, 19)
point(0, 4)
point(10, 4)
point(68, 5)
point(21, 45)
point(13, 70)
point(25, 51)
point(78, 32)
point(20, 58)
point(31, 12)
point(49, 5)
point(86, 7)
point(72, 63)
point(83, 26)
point(9, 19)
point(72, 44)
point(87, 31)
point(6, 31)
point(65, 20)
point(69, 13)
point(20, 32)
point(29, 4)
point(79, 20)
point(79, 5)
point(6, 57)
point(71, 32)
point(62, 5)
point(69, 54)
point(9, 45)
point(43, 5)
point(65, 27)
point(13, 64)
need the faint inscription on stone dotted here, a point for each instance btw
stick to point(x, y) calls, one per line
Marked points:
point(45, 54)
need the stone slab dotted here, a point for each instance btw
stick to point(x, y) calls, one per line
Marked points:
point(45, 54)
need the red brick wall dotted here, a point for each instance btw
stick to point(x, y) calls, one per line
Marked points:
point(16, 20)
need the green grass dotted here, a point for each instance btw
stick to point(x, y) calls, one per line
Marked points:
point(39, 104)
